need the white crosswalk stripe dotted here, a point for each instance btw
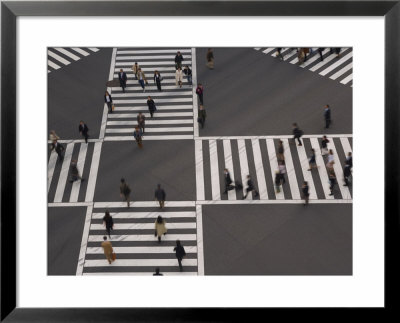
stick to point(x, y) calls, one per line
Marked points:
point(65, 56)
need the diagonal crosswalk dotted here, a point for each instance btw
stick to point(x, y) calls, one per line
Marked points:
point(59, 57)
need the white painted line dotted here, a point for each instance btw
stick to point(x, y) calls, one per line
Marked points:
point(194, 95)
point(244, 167)
point(140, 59)
point(346, 146)
point(81, 163)
point(307, 175)
point(137, 273)
point(150, 122)
point(146, 250)
point(338, 63)
point(147, 115)
point(290, 171)
point(262, 185)
point(326, 60)
point(159, 108)
point(274, 166)
point(72, 141)
point(130, 130)
point(93, 172)
point(226, 202)
point(229, 166)
point(154, 63)
point(198, 151)
point(154, 51)
point(310, 60)
point(62, 204)
point(50, 168)
point(200, 249)
point(144, 204)
point(266, 51)
point(149, 73)
point(67, 53)
point(164, 100)
point(53, 65)
point(344, 190)
point(58, 58)
point(215, 189)
point(146, 215)
point(85, 235)
point(153, 94)
point(342, 71)
point(140, 262)
point(80, 51)
point(257, 48)
point(347, 79)
point(151, 87)
point(321, 168)
point(147, 138)
point(144, 226)
point(144, 237)
point(94, 49)
point(289, 55)
point(271, 137)
point(64, 173)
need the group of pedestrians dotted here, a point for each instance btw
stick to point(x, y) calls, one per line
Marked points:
point(304, 52)
point(125, 191)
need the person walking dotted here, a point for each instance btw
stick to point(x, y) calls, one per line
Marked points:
point(306, 194)
point(300, 56)
point(202, 116)
point(178, 77)
point(349, 160)
point(179, 253)
point(157, 273)
point(279, 53)
point(327, 116)
point(83, 130)
point(160, 228)
point(108, 100)
point(157, 79)
point(278, 181)
point(178, 60)
point(306, 51)
point(282, 171)
point(151, 105)
point(346, 174)
point(210, 59)
point(108, 249)
point(311, 161)
point(141, 120)
point(331, 157)
point(320, 50)
point(53, 136)
point(188, 73)
point(142, 79)
point(332, 180)
point(281, 156)
point(125, 190)
point(122, 79)
point(250, 188)
point(59, 149)
point(135, 70)
point(108, 223)
point(199, 92)
point(324, 144)
point(138, 136)
point(160, 195)
point(228, 181)
point(297, 133)
point(74, 172)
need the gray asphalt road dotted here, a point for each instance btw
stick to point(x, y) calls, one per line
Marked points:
point(250, 93)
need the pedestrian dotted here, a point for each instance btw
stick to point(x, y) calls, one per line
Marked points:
point(141, 120)
point(324, 144)
point(199, 92)
point(305, 51)
point(282, 171)
point(278, 53)
point(188, 73)
point(320, 50)
point(151, 105)
point(327, 116)
point(74, 172)
point(210, 59)
point(159, 227)
point(83, 130)
point(178, 60)
point(160, 195)
point(346, 174)
point(58, 148)
point(108, 100)
point(281, 155)
point(179, 253)
point(349, 160)
point(142, 79)
point(332, 180)
point(300, 56)
point(311, 161)
point(228, 181)
point(178, 77)
point(157, 79)
point(337, 51)
point(278, 180)
point(202, 116)
point(250, 188)
point(108, 250)
point(138, 136)
point(157, 273)
point(331, 157)
point(297, 133)
point(125, 190)
point(122, 79)
point(108, 223)
point(135, 69)
point(53, 136)
point(306, 194)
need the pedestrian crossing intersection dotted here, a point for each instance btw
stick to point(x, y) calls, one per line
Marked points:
point(257, 157)
point(336, 68)
point(58, 57)
point(173, 118)
point(137, 249)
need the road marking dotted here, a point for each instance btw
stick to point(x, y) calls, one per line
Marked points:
point(346, 145)
point(194, 95)
point(215, 189)
point(147, 115)
point(64, 173)
point(73, 141)
point(67, 53)
point(290, 171)
point(154, 51)
point(144, 204)
point(144, 226)
point(138, 58)
point(321, 168)
point(274, 166)
point(296, 60)
point(149, 71)
point(342, 71)
point(137, 273)
point(229, 166)
point(50, 168)
point(155, 63)
point(198, 148)
point(338, 63)
point(347, 79)
point(53, 65)
point(80, 51)
point(58, 58)
point(85, 235)
point(270, 137)
point(151, 87)
point(150, 122)
point(130, 130)
point(147, 138)
point(268, 50)
point(94, 49)
point(164, 100)
point(326, 60)
point(154, 250)
point(144, 237)
point(153, 95)
point(300, 202)
point(62, 204)
point(306, 173)
point(161, 107)
point(262, 185)
point(244, 167)
point(81, 163)
point(200, 249)
point(146, 215)
point(141, 262)
point(310, 60)
point(93, 172)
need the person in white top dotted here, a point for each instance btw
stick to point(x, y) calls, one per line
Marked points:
point(178, 77)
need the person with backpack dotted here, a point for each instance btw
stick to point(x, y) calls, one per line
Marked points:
point(125, 190)
point(297, 133)
point(179, 253)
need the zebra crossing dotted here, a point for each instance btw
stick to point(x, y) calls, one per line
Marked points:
point(173, 118)
point(257, 156)
point(58, 57)
point(137, 249)
point(336, 68)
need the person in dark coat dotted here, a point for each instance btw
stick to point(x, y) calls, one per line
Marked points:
point(228, 180)
point(199, 92)
point(327, 116)
point(281, 150)
point(250, 187)
point(278, 53)
point(138, 136)
point(157, 79)
point(297, 133)
point(125, 190)
point(179, 253)
point(141, 120)
point(74, 172)
point(202, 116)
point(122, 79)
point(108, 223)
point(320, 50)
point(108, 100)
point(58, 148)
point(188, 73)
point(278, 181)
point(178, 60)
point(346, 174)
point(151, 105)
point(311, 161)
point(324, 145)
point(160, 195)
point(332, 180)
point(349, 160)
point(210, 59)
point(306, 192)
point(83, 130)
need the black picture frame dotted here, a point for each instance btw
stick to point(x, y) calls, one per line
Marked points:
point(9, 13)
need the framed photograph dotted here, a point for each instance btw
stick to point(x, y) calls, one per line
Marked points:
point(180, 140)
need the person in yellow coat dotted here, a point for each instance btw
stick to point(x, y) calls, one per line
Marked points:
point(160, 228)
point(108, 249)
